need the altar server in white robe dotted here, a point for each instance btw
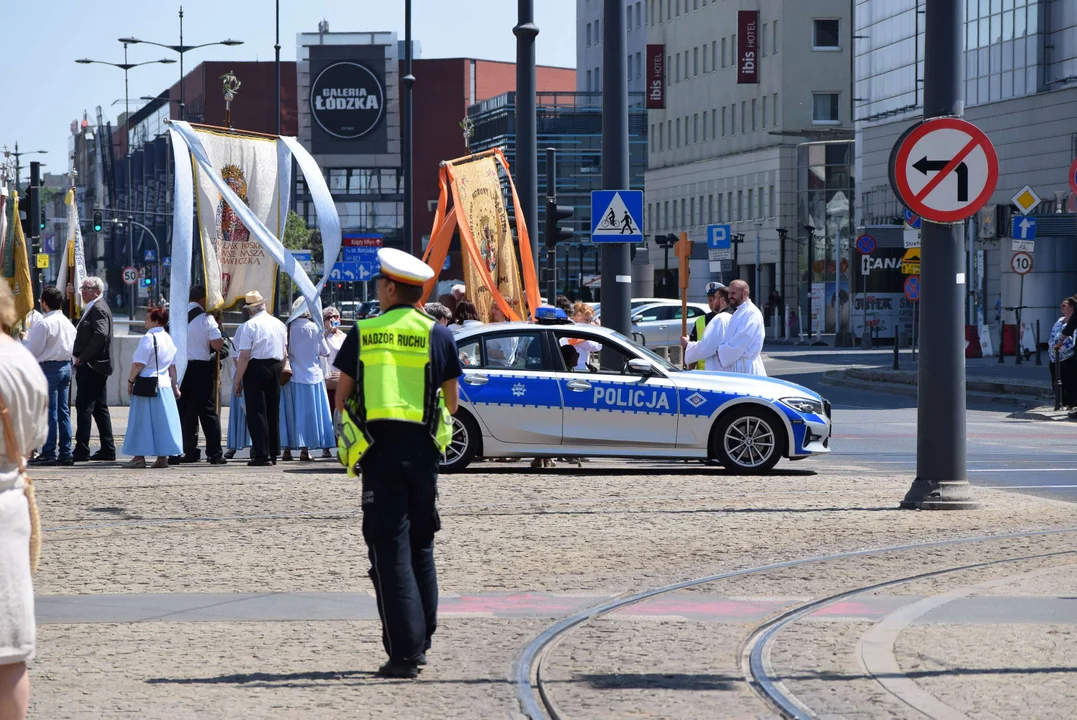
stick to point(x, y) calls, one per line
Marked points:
point(743, 342)
point(705, 350)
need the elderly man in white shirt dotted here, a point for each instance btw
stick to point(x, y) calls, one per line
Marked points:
point(258, 375)
point(740, 349)
point(51, 340)
point(198, 394)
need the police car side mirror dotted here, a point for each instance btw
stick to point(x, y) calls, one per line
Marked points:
point(642, 367)
point(637, 319)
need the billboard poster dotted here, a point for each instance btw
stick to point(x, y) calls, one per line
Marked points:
point(656, 77)
point(747, 47)
point(348, 99)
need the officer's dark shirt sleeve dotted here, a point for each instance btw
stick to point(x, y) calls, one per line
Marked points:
point(444, 360)
point(347, 360)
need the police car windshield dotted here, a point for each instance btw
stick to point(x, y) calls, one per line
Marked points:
point(648, 353)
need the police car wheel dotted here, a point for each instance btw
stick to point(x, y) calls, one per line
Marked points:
point(748, 440)
point(464, 444)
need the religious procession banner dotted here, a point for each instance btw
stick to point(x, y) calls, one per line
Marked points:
point(234, 262)
point(73, 262)
point(5, 208)
point(239, 184)
point(21, 284)
point(491, 270)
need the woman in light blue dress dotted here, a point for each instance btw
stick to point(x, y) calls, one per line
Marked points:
point(153, 424)
point(306, 422)
point(239, 437)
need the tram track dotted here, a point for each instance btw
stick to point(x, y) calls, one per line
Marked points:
point(536, 699)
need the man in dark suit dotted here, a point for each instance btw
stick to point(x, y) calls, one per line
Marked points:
point(93, 365)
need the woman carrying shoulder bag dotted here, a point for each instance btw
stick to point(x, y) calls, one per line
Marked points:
point(153, 426)
point(24, 412)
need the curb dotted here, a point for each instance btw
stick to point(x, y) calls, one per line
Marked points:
point(1044, 413)
point(908, 377)
point(905, 385)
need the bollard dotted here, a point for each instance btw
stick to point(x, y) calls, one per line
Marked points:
point(1039, 360)
point(1001, 328)
point(897, 337)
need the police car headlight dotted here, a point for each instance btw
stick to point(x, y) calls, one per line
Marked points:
point(804, 405)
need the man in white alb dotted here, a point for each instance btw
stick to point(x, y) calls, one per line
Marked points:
point(51, 340)
point(739, 350)
point(261, 352)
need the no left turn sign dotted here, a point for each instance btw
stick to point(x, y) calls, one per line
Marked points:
point(945, 169)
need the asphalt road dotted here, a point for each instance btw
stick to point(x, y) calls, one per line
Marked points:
point(879, 429)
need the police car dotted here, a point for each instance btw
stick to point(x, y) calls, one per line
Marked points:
point(525, 392)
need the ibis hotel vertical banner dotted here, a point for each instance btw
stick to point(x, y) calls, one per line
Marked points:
point(748, 47)
point(656, 77)
point(347, 99)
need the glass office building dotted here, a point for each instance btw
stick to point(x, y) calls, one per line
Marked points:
point(571, 123)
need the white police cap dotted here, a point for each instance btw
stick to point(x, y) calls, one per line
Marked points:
point(400, 267)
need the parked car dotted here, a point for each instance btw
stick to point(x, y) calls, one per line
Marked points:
point(659, 325)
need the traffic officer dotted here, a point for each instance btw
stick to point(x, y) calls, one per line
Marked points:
point(397, 388)
point(198, 393)
point(713, 302)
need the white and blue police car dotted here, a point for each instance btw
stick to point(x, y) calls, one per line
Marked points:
point(558, 389)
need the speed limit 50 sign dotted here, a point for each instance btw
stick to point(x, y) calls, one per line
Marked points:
point(130, 275)
point(1021, 263)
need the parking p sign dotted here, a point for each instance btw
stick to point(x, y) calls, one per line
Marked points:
point(719, 243)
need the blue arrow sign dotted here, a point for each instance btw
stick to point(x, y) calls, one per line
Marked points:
point(354, 271)
point(1024, 227)
point(616, 216)
point(718, 237)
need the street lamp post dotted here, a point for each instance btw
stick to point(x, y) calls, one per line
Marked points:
point(125, 66)
point(181, 49)
point(16, 154)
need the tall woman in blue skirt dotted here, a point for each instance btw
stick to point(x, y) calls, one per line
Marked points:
point(239, 437)
point(306, 421)
point(153, 425)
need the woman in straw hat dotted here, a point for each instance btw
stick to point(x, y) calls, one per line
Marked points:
point(25, 395)
point(306, 421)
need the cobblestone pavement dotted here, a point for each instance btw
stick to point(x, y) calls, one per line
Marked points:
point(604, 529)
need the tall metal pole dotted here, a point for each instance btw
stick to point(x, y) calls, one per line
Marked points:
point(941, 468)
point(526, 170)
point(34, 213)
point(811, 271)
point(182, 106)
point(758, 289)
point(616, 267)
point(127, 176)
point(407, 147)
point(551, 221)
point(276, 60)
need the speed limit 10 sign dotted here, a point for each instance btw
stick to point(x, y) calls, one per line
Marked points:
point(1021, 263)
point(130, 275)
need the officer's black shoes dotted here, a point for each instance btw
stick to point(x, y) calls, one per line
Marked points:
point(421, 660)
point(218, 460)
point(406, 671)
point(260, 463)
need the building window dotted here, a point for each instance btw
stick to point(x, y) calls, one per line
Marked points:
point(588, 34)
point(683, 216)
point(759, 204)
point(705, 54)
point(659, 11)
point(677, 70)
point(695, 127)
point(773, 207)
point(824, 108)
point(666, 69)
point(695, 62)
point(639, 65)
point(720, 216)
point(588, 81)
point(692, 212)
point(714, 126)
point(754, 126)
point(729, 206)
point(723, 52)
point(650, 16)
point(598, 81)
point(678, 132)
point(825, 34)
point(733, 119)
point(774, 108)
point(763, 41)
point(638, 20)
point(652, 135)
point(677, 5)
point(598, 35)
point(710, 209)
point(740, 204)
point(628, 18)
point(764, 112)
point(714, 54)
point(669, 134)
point(338, 179)
point(704, 126)
point(774, 38)
point(723, 121)
point(732, 48)
point(665, 223)
point(743, 116)
point(630, 67)
point(750, 205)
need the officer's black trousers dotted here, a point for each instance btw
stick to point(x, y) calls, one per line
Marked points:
point(400, 518)
point(198, 402)
point(261, 388)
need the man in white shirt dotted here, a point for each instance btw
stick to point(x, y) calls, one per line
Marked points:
point(258, 371)
point(51, 340)
point(198, 394)
point(705, 349)
point(740, 349)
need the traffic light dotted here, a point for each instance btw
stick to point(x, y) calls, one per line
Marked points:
point(147, 281)
point(666, 241)
point(555, 215)
point(97, 225)
point(41, 220)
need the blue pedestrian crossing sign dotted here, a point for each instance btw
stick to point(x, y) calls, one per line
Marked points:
point(1024, 227)
point(150, 256)
point(616, 216)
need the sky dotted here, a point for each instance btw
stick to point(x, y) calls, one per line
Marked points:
point(42, 89)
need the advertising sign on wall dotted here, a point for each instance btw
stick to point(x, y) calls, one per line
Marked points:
point(747, 47)
point(348, 99)
point(656, 77)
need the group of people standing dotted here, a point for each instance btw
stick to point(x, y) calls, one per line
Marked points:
point(730, 337)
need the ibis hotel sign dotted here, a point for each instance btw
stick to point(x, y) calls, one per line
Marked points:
point(748, 47)
point(348, 99)
point(656, 77)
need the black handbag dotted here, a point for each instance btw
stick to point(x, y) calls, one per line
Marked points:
point(148, 386)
